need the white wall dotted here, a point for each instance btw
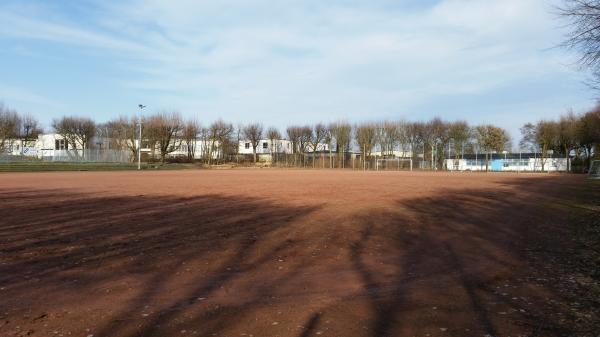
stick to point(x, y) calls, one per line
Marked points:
point(278, 146)
point(526, 165)
point(396, 153)
point(181, 151)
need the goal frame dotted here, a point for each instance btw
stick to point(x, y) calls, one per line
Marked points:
point(594, 171)
point(398, 160)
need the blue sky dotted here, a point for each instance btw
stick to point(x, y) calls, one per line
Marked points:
point(283, 62)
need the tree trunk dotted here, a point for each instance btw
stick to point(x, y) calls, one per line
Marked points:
point(567, 158)
point(210, 151)
point(431, 158)
point(544, 152)
point(487, 161)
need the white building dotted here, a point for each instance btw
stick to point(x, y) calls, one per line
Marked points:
point(200, 149)
point(395, 154)
point(280, 146)
point(266, 147)
point(14, 147)
point(44, 146)
point(526, 162)
point(51, 145)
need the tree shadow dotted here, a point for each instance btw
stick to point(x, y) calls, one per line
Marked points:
point(453, 263)
point(174, 251)
point(461, 253)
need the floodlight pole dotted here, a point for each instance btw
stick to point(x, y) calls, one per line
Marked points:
point(141, 106)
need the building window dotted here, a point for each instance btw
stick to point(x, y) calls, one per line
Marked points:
point(473, 162)
point(60, 144)
point(265, 145)
point(247, 145)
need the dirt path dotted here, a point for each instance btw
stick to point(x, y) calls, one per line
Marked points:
point(279, 253)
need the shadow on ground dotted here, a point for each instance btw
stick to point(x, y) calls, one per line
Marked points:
point(459, 264)
point(455, 263)
point(167, 251)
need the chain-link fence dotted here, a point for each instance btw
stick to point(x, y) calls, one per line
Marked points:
point(11, 158)
point(90, 156)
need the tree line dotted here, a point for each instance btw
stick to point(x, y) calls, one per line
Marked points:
point(427, 142)
point(576, 135)
point(14, 126)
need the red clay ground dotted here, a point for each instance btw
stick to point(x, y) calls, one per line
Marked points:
point(280, 253)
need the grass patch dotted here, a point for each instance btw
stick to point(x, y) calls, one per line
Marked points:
point(68, 166)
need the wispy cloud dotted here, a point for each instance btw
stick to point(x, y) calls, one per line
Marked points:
point(298, 60)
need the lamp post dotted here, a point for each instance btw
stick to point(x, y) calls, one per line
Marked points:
point(141, 106)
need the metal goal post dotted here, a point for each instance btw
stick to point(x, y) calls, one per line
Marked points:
point(384, 163)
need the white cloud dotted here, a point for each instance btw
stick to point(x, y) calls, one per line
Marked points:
point(23, 27)
point(312, 59)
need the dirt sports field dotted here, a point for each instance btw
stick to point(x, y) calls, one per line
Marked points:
point(292, 253)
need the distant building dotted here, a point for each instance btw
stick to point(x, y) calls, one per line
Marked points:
point(514, 162)
point(266, 148)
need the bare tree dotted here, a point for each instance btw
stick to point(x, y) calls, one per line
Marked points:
point(543, 137)
point(567, 134)
point(328, 139)
point(528, 141)
point(318, 135)
point(403, 136)
point(191, 129)
point(460, 133)
point(220, 138)
point(388, 136)
point(413, 137)
point(588, 134)
point(439, 135)
point(546, 136)
point(205, 143)
point(294, 134)
point(122, 134)
point(9, 128)
point(342, 132)
point(366, 138)
point(491, 138)
point(239, 137)
point(77, 131)
point(29, 130)
point(306, 135)
point(584, 37)
point(273, 135)
point(165, 130)
point(253, 132)
point(429, 135)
